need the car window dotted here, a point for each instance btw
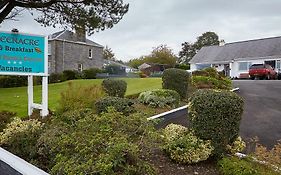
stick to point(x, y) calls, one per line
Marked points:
point(257, 66)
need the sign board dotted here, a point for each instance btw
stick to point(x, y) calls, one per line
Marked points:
point(23, 54)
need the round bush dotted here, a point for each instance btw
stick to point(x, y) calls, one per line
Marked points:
point(20, 138)
point(115, 88)
point(215, 116)
point(176, 79)
point(160, 98)
point(90, 73)
point(122, 105)
point(184, 147)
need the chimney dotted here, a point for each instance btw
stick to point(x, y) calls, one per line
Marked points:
point(222, 43)
point(80, 33)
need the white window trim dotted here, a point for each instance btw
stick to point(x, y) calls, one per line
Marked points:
point(49, 49)
point(80, 67)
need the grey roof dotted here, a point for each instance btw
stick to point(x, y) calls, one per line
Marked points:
point(243, 50)
point(70, 36)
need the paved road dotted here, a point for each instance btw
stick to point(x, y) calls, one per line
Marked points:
point(262, 110)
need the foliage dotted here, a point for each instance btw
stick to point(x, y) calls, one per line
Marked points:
point(79, 97)
point(5, 118)
point(200, 73)
point(212, 72)
point(176, 79)
point(190, 49)
point(12, 81)
point(56, 78)
point(237, 146)
point(183, 66)
point(160, 98)
point(245, 166)
point(122, 105)
point(184, 147)
point(206, 82)
point(112, 144)
point(236, 166)
point(115, 88)
point(20, 137)
point(70, 75)
point(115, 69)
point(272, 156)
point(91, 15)
point(108, 54)
point(222, 110)
point(161, 55)
point(90, 73)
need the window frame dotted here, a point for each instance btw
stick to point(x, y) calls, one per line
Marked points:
point(248, 65)
point(80, 67)
point(90, 53)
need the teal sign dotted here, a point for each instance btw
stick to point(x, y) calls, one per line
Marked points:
point(22, 54)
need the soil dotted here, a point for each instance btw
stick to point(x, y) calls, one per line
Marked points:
point(165, 166)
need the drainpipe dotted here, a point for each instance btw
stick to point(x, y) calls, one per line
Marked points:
point(63, 55)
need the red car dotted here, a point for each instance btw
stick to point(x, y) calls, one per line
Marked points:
point(262, 71)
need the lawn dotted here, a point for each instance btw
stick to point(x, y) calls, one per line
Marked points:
point(15, 99)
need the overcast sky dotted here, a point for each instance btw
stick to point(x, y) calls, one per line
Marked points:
point(150, 23)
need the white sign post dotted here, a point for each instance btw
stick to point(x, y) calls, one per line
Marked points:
point(26, 55)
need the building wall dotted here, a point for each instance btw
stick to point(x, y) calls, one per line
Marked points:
point(67, 55)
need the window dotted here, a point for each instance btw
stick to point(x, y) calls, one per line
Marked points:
point(90, 53)
point(244, 66)
point(80, 67)
point(49, 49)
point(202, 66)
point(278, 64)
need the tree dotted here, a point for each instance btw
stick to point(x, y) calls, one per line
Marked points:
point(108, 54)
point(136, 62)
point(162, 55)
point(189, 50)
point(93, 15)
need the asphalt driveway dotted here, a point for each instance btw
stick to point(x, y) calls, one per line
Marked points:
point(262, 110)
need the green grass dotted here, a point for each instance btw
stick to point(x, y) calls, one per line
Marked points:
point(15, 99)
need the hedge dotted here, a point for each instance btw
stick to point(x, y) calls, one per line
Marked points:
point(215, 115)
point(176, 79)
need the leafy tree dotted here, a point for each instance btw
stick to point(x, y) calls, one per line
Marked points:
point(161, 55)
point(94, 15)
point(108, 54)
point(190, 49)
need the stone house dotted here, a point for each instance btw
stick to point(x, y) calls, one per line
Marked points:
point(73, 51)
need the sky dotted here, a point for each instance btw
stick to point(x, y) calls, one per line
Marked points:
point(150, 23)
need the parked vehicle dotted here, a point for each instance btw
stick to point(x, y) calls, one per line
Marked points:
point(262, 71)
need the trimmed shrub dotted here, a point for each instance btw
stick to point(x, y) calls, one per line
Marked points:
point(176, 79)
point(20, 138)
point(56, 78)
point(215, 116)
point(111, 145)
point(184, 147)
point(71, 75)
point(122, 105)
point(12, 81)
point(76, 97)
point(90, 73)
point(115, 88)
point(5, 118)
point(160, 98)
point(206, 82)
point(237, 146)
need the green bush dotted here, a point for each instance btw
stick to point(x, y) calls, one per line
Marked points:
point(76, 97)
point(56, 78)
point(206, 82)
point(90, 73)
point(236, 166)
point(200, 73)
point(20, 138)
point(237, 146)
point(107, 144)
point(12, 81)
point(184, 147)
point(115, 69)
point(183, 66)
point(215, 115)
point(176, 79)
point(71, 75)
point(160, 98)
point(212, 72)
point(115, 88)
point(5, 118)
point(122, 105)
